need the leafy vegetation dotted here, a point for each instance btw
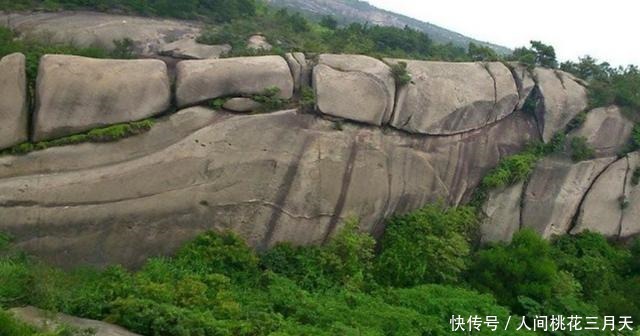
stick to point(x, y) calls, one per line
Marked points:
point(270, 100)
point(635, 178)
point(103, 134)
point(424, 271)
point(400, 73)
point(539, 54)
point(580, 149)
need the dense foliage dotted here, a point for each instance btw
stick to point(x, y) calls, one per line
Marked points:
point(424, 271)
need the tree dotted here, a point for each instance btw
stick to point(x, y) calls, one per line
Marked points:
point(539, 54)
point(481, 53)
point(329, 22)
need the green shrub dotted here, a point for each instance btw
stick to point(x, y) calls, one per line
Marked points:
point(217, 103)
point(270, 100)
point(429, 245)
point(400, 73)
point(635, 178)
point(581, 150)
point(510, 170)
point(576, 122)
point(307, 98)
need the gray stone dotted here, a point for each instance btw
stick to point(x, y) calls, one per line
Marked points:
point(630, 224)
point(241, 104)
point(300, 69)
point(190, 49)
point(555, 191)
point(562, 99)
point(275, 177)
point(502, 214)
point(199, 81)
point(49, 322)
point(524, 82)
point(449, 98)
point(13, 101)
point(75, 94)
point(607, 130)
point(258, 42)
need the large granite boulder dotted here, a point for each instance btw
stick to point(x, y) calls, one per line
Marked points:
point(91, 29)
point(190, 49)
point(300, 69)
point(13, 101)
point(555, 191)
point(199, 81)
point(354, 87)
point(450, 98)
point(75, 94)
point(606, 129)
point(50, 322)
point(524, 81)
point(501, 214)
point(275, 177)
point(562, 98)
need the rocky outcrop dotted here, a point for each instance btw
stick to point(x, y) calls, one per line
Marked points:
point(274, 177)
point(354, 87)
point(555, 191)
point(612, 205)
point(75, 94)
point(606, 130)
point(13, 101)
point(524, 81)
point(199, 81)
point(501, 214)
point(300, 69)
point(49, 322)
point(240, 104)
point(449, 98)
point(190, 49)
point(89, 29)
point(562, 98)
point(258, 42)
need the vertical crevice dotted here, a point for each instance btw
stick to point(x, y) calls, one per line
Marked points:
point(624, 195)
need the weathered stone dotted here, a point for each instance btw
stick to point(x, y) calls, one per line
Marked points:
point(502, 214)
point(524, 82)
point(601, 209)
point(300, 69)
point(630, 224)
point(372, 94)
point(607, 130)
point(240, 104)
point(272, 177)
point(49, 322)
point(13, 101)
point(190, 49)
point(91, 29)
point(258, 42)
point(562, 99)
point(198, 81)
point(449, 98)
point(75, 94)
point(555, 191)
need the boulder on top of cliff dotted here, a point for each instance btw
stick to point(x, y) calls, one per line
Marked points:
point(449, 98)
point(199, 81)
point(75, 94)
point(554, 193)
point(50, 322)
point(606, 130)
point(190, 49)
point(13, 101)
point(502, 214)
point(562, 98)
point(354, 87)
point(524, 82)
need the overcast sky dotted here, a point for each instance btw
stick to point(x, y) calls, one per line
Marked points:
point(608, 30)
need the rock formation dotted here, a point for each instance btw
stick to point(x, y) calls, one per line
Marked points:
point(14, 116)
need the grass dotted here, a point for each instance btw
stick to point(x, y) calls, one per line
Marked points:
point(103, 134)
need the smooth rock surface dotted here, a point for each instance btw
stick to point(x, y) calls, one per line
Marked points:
point(75, 94)
point(14, 117)
point(449, 98)
point(190, 49)
point(89, 29)
point(47, 321)
point(555, 191)
point(300, 69)
point(562, 99)
point(502, 214)
point(607, 130)
point(630, 224)
point(240, 104)
point(199, 81)
point(524, 82)
point(272, 177)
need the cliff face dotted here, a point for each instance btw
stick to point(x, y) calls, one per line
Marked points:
point(289, 175)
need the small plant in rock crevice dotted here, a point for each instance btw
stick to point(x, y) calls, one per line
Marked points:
point(400, 73)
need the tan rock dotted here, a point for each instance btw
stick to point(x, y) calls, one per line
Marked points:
point(76, 94)
point(300, 69)
point(49, 322)
point(449, 98)
point(554, 193)
point(258, 42)
point(240, 104)
point(524, 82)
point(502, 211)
point(199, 81)
point(13, 101)
point(562, 99)
point(630, 224)
point(607, 130)
point(190, 49)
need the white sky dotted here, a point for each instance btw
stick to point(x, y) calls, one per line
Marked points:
point(607, 30)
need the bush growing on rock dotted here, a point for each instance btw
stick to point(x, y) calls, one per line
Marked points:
point(400, 73)
point(581, 150)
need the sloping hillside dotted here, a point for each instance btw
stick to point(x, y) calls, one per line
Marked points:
point(360, 11)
